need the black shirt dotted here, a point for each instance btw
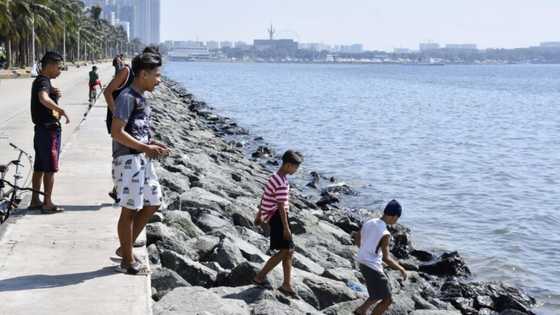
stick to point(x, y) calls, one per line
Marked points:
point(40, 114)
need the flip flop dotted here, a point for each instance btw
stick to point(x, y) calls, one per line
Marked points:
point(289, 293)
point(52, 210)
point(136, 269)
point(35, 207)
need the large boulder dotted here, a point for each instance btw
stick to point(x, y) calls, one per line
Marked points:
point(193, 272)
point(181, 220)
point(448, 264)
point(227, 254)
point(165, 280)
point(200, 198)
point(166, 237)
point(197, 301)
point(327, 291)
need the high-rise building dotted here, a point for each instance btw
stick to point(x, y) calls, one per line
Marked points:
point(146, 26)
point(428, 46)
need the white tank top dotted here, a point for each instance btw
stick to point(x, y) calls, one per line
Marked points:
point(371, 234)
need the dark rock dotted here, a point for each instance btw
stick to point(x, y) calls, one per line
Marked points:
point(329, 292)
point(165, 280)
point(347, 224)
point(315, 180)
point(181, 220)
point(193, 272)
point(327, 200)
point(340, 188)
point(242, 274)
point(262, 152)
point(466, 306)
point(484, 301)
point(422, 255)
point(153, 254)
point(199, 198)
point(227, 254)
point(449, 264)
point(236, 177)
point(241, 219)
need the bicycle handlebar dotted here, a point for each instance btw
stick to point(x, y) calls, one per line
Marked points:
point(20, 150)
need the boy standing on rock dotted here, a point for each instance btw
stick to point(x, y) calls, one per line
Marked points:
point(373, 240)
point(274, 211)
point(137, 187)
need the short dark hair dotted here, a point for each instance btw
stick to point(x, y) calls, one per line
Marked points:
point(94, 68)
point(145, 61)
point(50, 57)
point(393, 208)
point(152, 49)
point(292, 157)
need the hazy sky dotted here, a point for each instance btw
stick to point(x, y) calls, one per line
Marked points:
point(376, 24)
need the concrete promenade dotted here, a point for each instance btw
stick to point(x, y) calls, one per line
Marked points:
point(61, 263)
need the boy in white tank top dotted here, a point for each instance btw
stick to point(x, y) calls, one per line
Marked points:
point(373, 240)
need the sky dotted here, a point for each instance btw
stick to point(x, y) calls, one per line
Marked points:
point(381, 25)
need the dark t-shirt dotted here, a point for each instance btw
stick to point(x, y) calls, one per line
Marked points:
point(131, 107)
point(93, 77)
point(40, 114)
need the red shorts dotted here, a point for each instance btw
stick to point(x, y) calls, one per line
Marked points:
point(93, 84)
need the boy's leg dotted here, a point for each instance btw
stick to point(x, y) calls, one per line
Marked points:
point(270, 264)
point(287, 268)
point(124, 229)
point(362, 310)
point(36, 181)
point(48, 184)
point(141, 219)
point(382, 306)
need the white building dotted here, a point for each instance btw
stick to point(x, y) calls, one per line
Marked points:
point(226, 44)
point(428, 46)
point(461, 46)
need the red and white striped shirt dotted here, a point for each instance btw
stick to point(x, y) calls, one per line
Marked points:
point(276, 190)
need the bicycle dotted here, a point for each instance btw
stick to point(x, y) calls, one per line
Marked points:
point(11, 198)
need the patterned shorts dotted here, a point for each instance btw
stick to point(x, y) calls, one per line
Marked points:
point(136, 182)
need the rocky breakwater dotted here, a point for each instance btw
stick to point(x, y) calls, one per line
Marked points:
point(205, 250)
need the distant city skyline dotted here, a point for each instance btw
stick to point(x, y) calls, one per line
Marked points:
point(376, 25)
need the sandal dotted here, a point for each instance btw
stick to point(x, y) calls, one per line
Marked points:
point(135, 268)
point(55, 209)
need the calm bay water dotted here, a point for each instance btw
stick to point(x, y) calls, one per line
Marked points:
point(472, 152)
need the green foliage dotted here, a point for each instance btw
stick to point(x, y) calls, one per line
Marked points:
point(57, 23)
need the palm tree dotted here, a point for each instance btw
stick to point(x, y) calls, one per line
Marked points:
point(29, 27)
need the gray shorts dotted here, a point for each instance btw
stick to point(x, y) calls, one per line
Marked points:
point(377, 283)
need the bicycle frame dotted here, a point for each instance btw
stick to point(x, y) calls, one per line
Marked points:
point(9, 199)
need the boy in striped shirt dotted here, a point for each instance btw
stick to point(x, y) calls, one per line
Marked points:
point(274, 211)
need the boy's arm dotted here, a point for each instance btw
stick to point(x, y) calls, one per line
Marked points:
point(357, 236)
point(46, 101)
point(258, 216)
point(121, 136)
point(119, 80)
point(284, 216)
point(387, 256)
